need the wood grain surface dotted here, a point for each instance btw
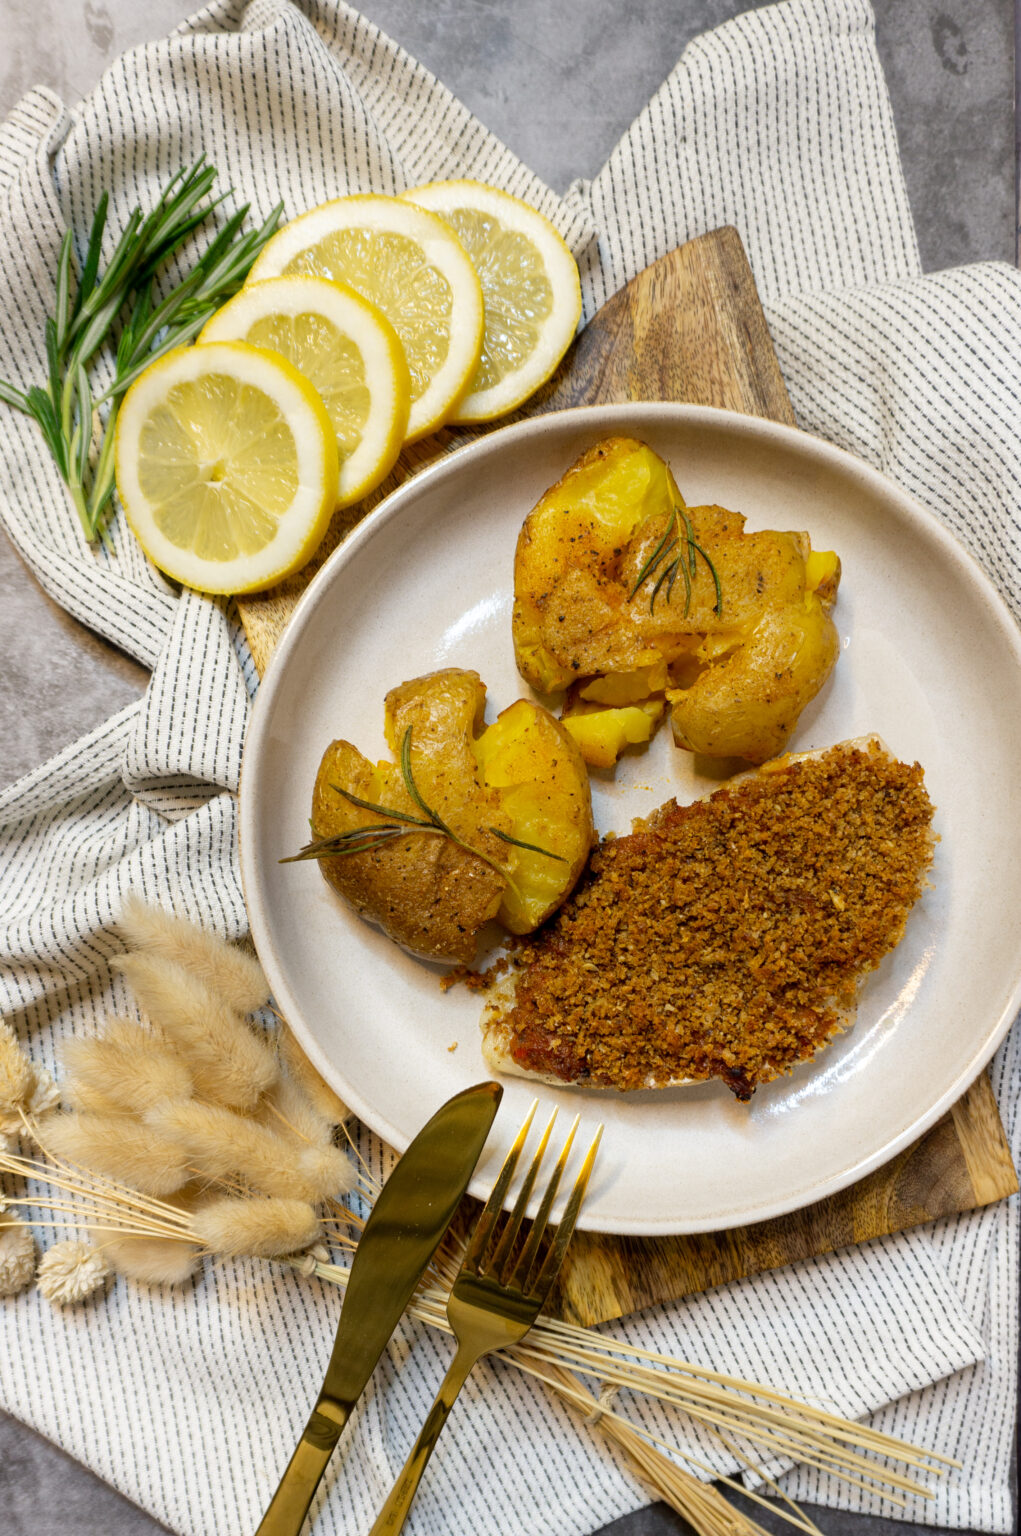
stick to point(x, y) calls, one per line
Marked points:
point(691, 328)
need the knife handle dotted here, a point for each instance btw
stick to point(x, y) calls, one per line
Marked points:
point(289, 1505)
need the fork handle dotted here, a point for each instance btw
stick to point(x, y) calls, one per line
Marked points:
point(288, 1507)
point(392, 1516)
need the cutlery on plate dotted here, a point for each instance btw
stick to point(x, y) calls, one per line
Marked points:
point(498, 1294)
point(403, 1231)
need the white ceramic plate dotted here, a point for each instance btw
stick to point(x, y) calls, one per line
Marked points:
point(930, 659)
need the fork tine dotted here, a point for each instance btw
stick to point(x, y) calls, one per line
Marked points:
point(508, 1237)
point(494, 1205)
point(524, 1265)
point(555, 1256)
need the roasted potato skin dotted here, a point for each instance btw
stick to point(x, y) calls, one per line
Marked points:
point(579, 531)
point(593, 603)
point(748, 704)
point(426, 891)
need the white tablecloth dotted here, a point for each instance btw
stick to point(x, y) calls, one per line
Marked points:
point(779, 123)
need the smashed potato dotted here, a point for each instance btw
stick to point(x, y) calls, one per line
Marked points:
point(467, 824)
point(622, 589)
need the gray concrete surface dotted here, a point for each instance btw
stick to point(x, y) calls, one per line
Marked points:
point(559, 81)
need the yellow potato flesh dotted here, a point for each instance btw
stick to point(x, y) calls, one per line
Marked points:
point(611, 594)
point(747, 705)
point(532, 764)
point(618, 688)
point(603, 734)
point(582, 523)
point(522, 777)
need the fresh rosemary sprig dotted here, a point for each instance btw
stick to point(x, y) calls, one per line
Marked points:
point(125, 293)
point(683, 562)
point(363, 839)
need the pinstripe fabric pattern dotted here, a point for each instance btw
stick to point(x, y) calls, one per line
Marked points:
point(779, 123)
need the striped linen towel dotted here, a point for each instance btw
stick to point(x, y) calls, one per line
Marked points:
point(779, 123)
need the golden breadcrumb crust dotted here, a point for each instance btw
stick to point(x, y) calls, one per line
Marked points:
point(727, 938)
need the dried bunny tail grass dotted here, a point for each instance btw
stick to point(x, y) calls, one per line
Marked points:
point(119, 1148)
point(219, 1144)
point(327, 1171)
point(229, 1063)
point(152, 1260)
point(319, 1092)
point(17, 1255)
point(235, 977)
point(258, 1228)
point(127, 1065)
point(287, 1107)
point(92, 1101)
point(45, 1096)
point(17, 1076)
point(70, 1271)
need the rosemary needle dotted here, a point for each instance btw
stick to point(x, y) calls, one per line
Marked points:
point(684, 561)
point(125, 294)
point(365, 838)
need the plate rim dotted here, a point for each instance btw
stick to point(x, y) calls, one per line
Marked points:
point(391, 507)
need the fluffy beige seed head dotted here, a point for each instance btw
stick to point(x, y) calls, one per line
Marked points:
point(69, 1272)
point(91, 1101)
point(17, 1256)
point(128, 1065)
point(327, 1171)
point(16, 1074)
point(45, 1095)
point(264, 1229)
point(304, 1073)
point(118, 1148)
point(235, 977)
point(287, 1107)
point(229, 1062)
point(219, 1144)
point(152, 1260)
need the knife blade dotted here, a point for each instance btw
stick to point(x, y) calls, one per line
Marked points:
point(404, 1229)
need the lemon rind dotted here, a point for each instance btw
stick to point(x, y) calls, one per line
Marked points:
point(298, 537)
point(519, 385)
point(450, 385)
point(364, 324)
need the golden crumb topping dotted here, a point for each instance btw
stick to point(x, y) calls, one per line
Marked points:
point(727, 938)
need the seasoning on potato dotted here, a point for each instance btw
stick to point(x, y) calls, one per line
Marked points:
point(469, 823)
point(625, 595)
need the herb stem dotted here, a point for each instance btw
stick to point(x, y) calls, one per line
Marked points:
point(81, 325)
point(684, 561)
point(371, 835)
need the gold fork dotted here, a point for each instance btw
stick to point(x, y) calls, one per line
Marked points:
point(497, 1295)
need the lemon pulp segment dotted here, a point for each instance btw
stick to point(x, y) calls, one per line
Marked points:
point(226, 466)
point(349, 353)
point(217, 464)
point(517, 292)
point(392, 271)
point(530, 286)
point(331, 362)
point(411, 265)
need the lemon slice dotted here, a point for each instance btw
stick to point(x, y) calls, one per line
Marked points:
point(350, 354)
point(413, 267)
point(226, 466)
point(530, 285)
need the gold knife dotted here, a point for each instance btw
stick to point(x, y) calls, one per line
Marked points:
point(403, 1231)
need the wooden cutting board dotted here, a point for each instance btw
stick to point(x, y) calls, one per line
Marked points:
point(691, 328)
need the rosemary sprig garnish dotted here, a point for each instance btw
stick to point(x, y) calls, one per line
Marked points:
point(125, 293)
point(364, 839)
point(683, 562)
point(505, 837)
